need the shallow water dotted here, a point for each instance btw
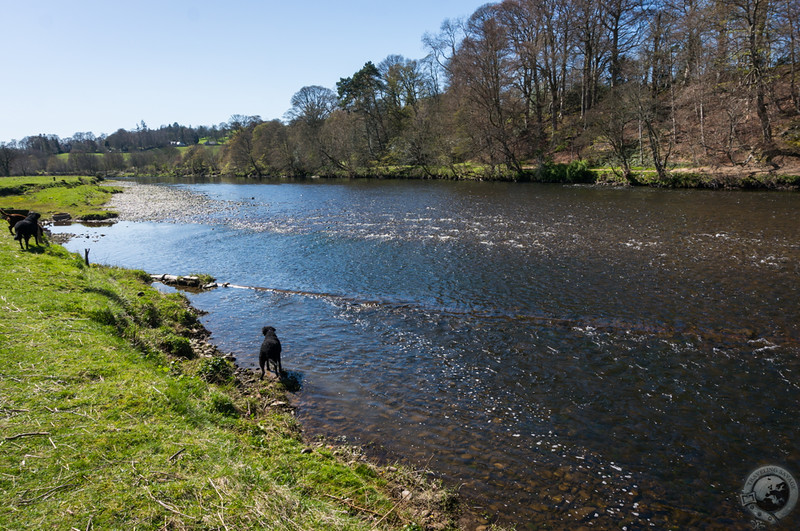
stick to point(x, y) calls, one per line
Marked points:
point(566, 354)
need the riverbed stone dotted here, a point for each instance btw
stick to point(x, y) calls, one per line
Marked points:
point(584, 512)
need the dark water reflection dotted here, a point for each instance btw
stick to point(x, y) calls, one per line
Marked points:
point(616, 357)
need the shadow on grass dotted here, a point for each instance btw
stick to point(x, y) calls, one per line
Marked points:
point(35, 249)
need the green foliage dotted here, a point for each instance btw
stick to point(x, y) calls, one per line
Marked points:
point(216, 370)
point(684, 179)
point(575, 172)
point(361, 90)
point(578, 172)
point(175, 345)
point(22, 185)
point(789, 180)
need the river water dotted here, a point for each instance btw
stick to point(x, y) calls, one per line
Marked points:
point(567, 355)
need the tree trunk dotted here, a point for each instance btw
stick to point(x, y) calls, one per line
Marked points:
point(756, 38)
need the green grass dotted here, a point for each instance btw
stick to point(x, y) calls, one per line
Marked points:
point(21, 185)
point(81, 197)
point(103, 428)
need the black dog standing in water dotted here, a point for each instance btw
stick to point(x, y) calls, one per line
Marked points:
point(28, 227)
point(270, 351)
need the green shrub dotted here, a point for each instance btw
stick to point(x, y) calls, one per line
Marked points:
point(578, 172)
point(216, 370)
point(176, 345)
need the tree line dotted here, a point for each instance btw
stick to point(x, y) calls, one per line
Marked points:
point(516, 86)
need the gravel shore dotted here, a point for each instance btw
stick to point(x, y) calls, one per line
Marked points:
point(150, 202)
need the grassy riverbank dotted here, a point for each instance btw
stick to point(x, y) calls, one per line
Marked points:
point(79, 196)
point(111, 418)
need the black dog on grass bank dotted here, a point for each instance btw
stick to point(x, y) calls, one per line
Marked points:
point(270, 351)
point(28, 227)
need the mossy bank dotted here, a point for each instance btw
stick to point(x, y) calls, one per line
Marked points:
point(113, 418)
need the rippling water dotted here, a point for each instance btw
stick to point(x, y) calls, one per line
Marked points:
point(569, 355)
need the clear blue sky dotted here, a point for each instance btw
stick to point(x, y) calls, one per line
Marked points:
point(101, 65)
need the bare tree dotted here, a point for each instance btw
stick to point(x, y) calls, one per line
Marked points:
point(8, 153)
point(443, 46)
point(789, 34)
point(482, 74)
point(592, 45)
point(661, 137)
point(688, 33)
point(751, 22)
point(613, 120)
point(84, 163)
point(241, 121)
point(524, 22)
point(621, 20)
point(113, 162)
point(341, 139)
point(312, 105)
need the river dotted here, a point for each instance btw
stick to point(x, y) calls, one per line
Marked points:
point(566, 355)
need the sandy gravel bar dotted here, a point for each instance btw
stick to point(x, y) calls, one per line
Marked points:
point(151, 202)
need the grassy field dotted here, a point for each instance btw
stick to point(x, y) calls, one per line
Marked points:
point(111, 420)
point(20, 185)
point(79, 196)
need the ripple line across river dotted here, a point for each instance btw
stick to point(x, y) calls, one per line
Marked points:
point(585, 324)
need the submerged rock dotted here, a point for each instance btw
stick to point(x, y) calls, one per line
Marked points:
point(188, 281)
